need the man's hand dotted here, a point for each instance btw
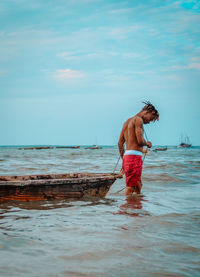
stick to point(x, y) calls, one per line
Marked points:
point(149, 144)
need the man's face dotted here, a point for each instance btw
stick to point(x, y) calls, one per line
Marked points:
point(148, 117)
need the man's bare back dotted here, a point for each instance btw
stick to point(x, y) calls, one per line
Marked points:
point(132, 135)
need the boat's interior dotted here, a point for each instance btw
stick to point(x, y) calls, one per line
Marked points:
point(55, 176)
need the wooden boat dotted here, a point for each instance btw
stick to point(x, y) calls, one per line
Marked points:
point(160, 149)
point(55, 186)
point(36, 148)
point(71, 147)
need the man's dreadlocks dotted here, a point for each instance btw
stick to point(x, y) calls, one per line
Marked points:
point(150, 108)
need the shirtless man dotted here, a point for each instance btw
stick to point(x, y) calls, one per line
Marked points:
point(132, 136)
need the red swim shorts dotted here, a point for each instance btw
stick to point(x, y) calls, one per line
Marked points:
point(132, 165)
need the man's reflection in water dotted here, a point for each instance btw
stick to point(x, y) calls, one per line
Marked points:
point(133, 203)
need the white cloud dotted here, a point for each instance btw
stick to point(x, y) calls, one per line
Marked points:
point(132, 55)
point(68, 74)
point(121, 11)
point(195, 59)
point(194, 66)
point(122, 32)
point(193, 62)
point(102, 55)
point(76, 56)
point(187, 67)
point(172, 77)
point(68, 56)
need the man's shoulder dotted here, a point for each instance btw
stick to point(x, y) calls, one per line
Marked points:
point(138, 118)
point(132, 121)
point(135, 119)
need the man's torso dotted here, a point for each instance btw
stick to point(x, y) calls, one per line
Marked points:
point(130, 134)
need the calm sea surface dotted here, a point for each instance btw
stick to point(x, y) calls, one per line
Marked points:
point(156, 234)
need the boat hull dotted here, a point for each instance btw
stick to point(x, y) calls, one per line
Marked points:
point(55, 186)
point(160, 149)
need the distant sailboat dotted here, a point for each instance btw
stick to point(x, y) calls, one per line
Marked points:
point(95, 146)
point(185, 142)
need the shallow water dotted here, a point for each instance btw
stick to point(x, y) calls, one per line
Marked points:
point(156, 234)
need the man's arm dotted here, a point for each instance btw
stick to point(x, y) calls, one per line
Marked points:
point(139, 132)
point(121, 143)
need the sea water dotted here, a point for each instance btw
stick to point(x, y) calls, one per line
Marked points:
point(154, 234)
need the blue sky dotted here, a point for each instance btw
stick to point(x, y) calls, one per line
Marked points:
point(72, 71)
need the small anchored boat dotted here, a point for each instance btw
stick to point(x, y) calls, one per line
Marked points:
point(55, 186)
point(160, 149)
point(70, 147)
point(185, 142)
point(36, 148)
point(94, 147)
point(184, 145)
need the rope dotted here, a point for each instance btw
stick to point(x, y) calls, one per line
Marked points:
point(116, 164)
point(146, 135)
point(146, 140)
point(119, 190)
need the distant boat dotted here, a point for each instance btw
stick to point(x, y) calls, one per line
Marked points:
point(160, 149)
point(35, 148)
point(55, 186)
point(73, 147)
point(46, 147)
point(185, 143)
point(93, 147)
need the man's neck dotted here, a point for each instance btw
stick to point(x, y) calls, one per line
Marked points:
point(140, 114)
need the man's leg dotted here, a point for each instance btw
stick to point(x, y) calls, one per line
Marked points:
point(139, 188)
point(130, 190)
